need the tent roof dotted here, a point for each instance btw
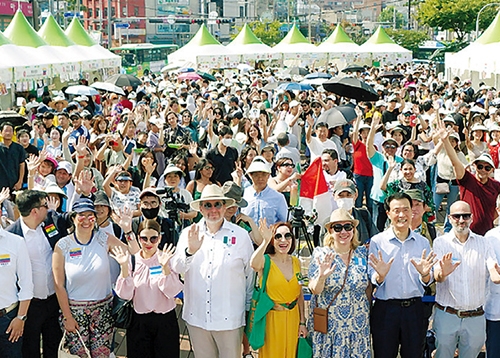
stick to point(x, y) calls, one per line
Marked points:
point(338, 36)
point(202, 37)
point(77, 34)
point(245, 37)
point(294, 36)
point(53, 34)
point(492, 33)
point(21, 33)
point(379, 37)
point(4, 40)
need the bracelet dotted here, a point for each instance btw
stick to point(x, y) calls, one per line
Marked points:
point(302, 324)
point(81, 156)
point(187, 253)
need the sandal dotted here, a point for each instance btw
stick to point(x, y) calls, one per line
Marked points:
point(248, 355)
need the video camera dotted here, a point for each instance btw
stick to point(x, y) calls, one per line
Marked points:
point(171, 203)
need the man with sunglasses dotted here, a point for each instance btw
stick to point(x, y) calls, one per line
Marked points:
point(78, 130)
point(214, 256)
point(479, 190)
point(466, 261)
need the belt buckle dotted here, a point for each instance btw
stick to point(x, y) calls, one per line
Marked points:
point(460, 313)
point(406, 303)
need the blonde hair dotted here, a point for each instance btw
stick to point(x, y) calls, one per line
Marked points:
point(328, 239)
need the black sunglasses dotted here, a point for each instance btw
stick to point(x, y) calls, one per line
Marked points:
point(463, 216)
point(151, 239)
point(390, 146)
point(485, 167)
point(287, 236)
point(216, 205)
point(287, 165)
point(340, 227)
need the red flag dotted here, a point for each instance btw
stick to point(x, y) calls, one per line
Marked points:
point(313, 180)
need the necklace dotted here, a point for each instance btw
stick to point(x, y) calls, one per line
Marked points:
point(343, 253)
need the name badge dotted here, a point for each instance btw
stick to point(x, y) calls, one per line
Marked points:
point(5, 260)
point(155, 270)
point(75, 253)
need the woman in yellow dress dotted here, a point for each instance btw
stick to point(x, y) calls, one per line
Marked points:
point(286, 321)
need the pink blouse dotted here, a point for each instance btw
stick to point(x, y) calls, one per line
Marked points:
point(149, 288)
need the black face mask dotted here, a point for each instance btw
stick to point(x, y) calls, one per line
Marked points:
point(150, 213)
point(141, 146)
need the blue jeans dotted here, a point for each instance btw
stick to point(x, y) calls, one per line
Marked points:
point(7, 348)
point(452, 196)
point(364, 184)
point(492, 341)
point(379, 215)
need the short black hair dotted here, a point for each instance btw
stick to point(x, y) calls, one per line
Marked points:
point(28, 200)
point(5, 124)
point(396, 196)
point(332, 153)
point(225, 130)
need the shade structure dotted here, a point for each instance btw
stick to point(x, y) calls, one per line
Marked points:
point(205, 52)
point(250, 47)
point(340, 46)
point(295, 46)
point(381, 49)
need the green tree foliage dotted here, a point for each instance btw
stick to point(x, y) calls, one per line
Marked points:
point(456, 15)
point(387, 15)
point(268, 32)
point(409, 39)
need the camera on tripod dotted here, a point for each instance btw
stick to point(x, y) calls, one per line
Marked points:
point(297, 215)
point(171, 203)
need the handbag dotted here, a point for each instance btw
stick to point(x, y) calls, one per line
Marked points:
point(64, 352)
point(261, 305)
point(123, 310)
point(304, 349)
point(442, 188)
point(320, 315)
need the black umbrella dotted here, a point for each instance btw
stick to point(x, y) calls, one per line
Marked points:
point(207, 76)
point(338, 116)
point(122, 80)
point(391, 74)
point(296, 71)
point(354, 68)
point(351, 87)
point(13, 117)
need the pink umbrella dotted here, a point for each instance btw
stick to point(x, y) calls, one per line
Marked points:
point(192, 76)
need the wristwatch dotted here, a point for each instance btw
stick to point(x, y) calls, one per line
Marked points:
point(22, 317)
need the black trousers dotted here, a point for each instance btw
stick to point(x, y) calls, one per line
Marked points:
point(395, 324)
point(153, 335)
point(43, 319)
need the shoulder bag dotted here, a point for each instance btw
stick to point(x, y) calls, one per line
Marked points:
point(64, 353)
point(123, 310)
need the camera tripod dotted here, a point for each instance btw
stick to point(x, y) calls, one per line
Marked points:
point(300, 229)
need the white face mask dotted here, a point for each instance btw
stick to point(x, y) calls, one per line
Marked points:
point(227, 141)
point(345, 203)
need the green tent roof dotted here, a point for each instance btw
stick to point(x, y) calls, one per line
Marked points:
point(492, 33)
point(246, 37)
point(78, 35)
point(294, 36)
point(21, 33)
point(338, 36)
point(379, 37)
point(4, 40)
point(203, 37)
point(53, 34)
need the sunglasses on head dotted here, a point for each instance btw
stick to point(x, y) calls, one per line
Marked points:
point(151, 239)
point(340, 227)
point(287, 236)
point(463, 216)
point(216, 205)
point(485, 167)
point(389, 146)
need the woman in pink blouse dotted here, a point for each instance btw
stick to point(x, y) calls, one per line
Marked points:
point(152, 286)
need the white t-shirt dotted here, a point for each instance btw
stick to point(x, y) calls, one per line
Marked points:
point(316, 147)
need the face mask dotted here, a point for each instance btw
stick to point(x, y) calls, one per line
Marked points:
point(345, 203)
point(227, 141)
point(150, 213)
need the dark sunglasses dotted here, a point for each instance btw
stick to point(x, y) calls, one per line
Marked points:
point(390, 146)
point(151, 239)
point(463, 216)
point(288, 165)
point(340, 227)
point(209, 206)
point(287, 236)
point(208, 167)
point(315, 106)
point(485, 167)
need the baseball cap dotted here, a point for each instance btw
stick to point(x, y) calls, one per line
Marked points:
point(344, 185)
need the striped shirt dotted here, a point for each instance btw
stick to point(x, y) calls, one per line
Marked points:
point(464, 288)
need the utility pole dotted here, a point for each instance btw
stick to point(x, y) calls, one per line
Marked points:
point(409, 14)
point(109, 25)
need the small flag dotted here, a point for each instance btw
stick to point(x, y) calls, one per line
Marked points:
point(74, 253)
point(4, 260)
point(155, 270)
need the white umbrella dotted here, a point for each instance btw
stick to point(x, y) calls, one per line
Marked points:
point(108, 87)
point(314, 81)
point(243, 67)
point(81, 90)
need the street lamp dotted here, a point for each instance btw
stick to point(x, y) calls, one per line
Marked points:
point(479, 13)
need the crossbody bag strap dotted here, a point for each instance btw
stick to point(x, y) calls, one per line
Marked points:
point(343, 283)
point(265, 272)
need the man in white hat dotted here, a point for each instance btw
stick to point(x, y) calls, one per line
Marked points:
point(214, 256)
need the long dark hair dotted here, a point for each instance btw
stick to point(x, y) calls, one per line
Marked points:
point(202, 164)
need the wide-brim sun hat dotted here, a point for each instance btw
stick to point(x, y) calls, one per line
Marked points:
point(341, 215)
point(485, 158)
point(258, 166)
point(53, 188)
point(234, 191)
point(211, 192)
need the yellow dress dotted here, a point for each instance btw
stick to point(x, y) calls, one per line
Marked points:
point(282, 327)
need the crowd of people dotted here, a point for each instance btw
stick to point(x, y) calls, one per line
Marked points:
point(180, 190)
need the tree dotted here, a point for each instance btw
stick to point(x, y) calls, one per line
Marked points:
point(409, 39)
point(268, 32)
point(456, 15)
point(387, 15)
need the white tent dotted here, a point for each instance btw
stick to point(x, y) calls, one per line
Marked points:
point(295, 47)
point(380, 49)
point(250, 47)
point(340, 48)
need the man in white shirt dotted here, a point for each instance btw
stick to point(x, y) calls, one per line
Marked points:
point(466, 260)
point(214, 256)
point(319, 143)
point(492, 306)
point(330, 162)
point(293, 121)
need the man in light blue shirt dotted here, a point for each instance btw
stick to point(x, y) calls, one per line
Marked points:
point(400, 266)
point(264, 202)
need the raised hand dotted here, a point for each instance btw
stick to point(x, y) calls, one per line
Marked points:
point(193, 148)
point(65, 135)
point(326, 266)
point(380, 266)
point(4, 194)
point(32, 163)
point(120, 254)
point(265, 231)
point(194, 239)
point(52, 203)
point(167, 253)
point(446, 264)
point(125, 222)
point(425, 264)
point(84, 183)
point(149, 165)
point(81, 145)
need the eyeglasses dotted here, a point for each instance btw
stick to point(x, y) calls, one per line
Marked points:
point(287, 236)
point(463, 216)
point(485, 167)
point(216, 205)
point(147, 204)
point(288, 165)
point(340, 227)
point(390, 146)
point(151, 239)
point(208, 167)
point(46, 206)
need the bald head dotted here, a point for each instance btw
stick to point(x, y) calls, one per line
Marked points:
point(460, 207)
point(460, 218)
